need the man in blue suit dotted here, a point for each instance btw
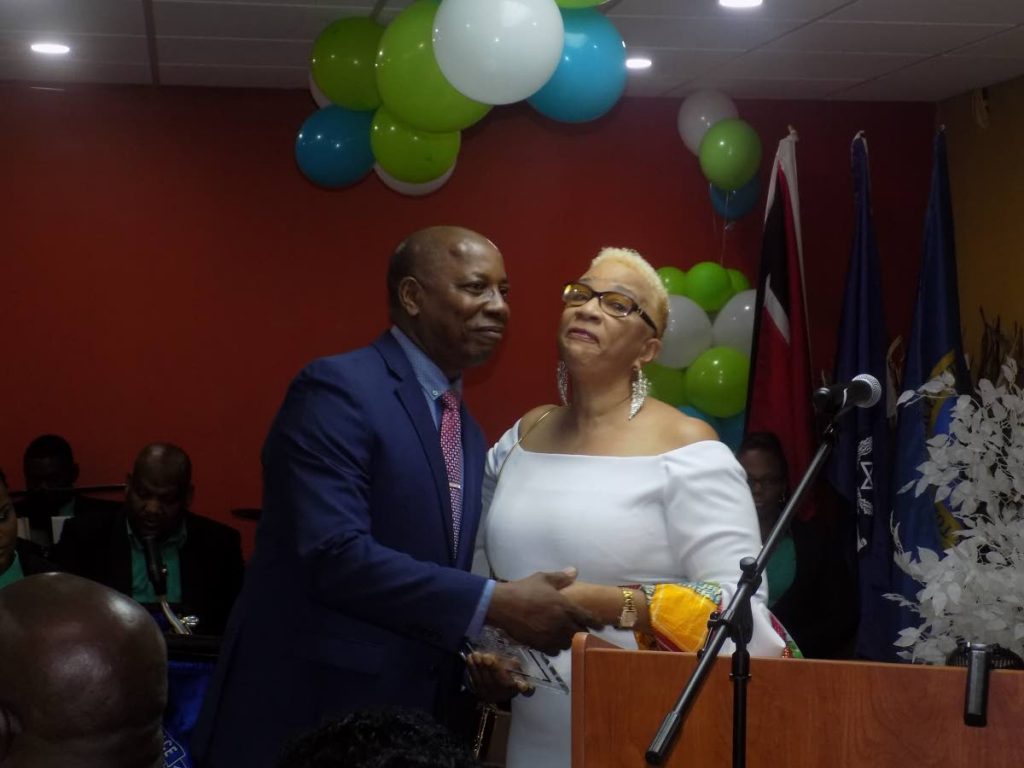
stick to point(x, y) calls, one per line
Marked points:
point(358, 594)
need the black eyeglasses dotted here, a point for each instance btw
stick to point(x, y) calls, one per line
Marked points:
point(612, 302)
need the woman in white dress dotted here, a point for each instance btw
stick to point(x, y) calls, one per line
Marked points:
point(627, 490)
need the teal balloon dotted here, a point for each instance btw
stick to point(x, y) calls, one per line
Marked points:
point(333, 147)
point(730, 430)
point(591, 75)
point(737, 203)
point(730, 153)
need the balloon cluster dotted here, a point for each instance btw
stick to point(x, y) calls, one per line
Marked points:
point(729, 151)
point(396, 99)
point(704, 362)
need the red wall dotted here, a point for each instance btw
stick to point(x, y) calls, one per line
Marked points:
point(165, 269)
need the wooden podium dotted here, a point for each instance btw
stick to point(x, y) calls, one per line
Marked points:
point(801, 713)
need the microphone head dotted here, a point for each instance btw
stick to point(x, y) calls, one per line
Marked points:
point(874, 387)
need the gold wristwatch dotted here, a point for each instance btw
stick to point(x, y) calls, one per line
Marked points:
point(628, 617)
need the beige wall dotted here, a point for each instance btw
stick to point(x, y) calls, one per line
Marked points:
point(986, 167)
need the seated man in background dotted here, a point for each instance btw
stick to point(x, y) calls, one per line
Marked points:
point(84, 677)
point(50, 477)
point(203, 558)
point(18, 557)
point(389, 738)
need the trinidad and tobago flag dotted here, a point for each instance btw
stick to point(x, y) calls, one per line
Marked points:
point(779, 391)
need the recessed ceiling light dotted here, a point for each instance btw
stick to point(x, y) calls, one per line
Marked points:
point(51, 49)
point(740, 3)
point(638, 62)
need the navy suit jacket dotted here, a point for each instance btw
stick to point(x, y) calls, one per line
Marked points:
point(353, 597)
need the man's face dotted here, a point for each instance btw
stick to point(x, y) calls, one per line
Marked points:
point(462, 307)
point(156, 502)
point(8, 530)
point(50, 480)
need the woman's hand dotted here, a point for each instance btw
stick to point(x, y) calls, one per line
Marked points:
point(491, 679)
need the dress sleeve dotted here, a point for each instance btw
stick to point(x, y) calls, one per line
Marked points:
point(493, 464)
point(712, 525)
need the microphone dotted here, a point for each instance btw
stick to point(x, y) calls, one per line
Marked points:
point(155, 566)
point(862, 392)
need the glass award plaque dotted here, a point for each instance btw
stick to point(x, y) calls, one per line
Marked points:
point(525, 663)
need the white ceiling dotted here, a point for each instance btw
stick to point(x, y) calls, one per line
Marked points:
point(921, 50)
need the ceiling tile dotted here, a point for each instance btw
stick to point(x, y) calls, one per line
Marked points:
point(650, 84)
point(762, 88)
point(74, 72)
point(798, 10)
point(1008, 45)
point(798, 65)
point(936, 79)
point(877, 37)
point(233, 52)
point(235, 77)
point(669, 32)
point(682, 64)
point(247, 20)
point(948, 11)
point(112, 17)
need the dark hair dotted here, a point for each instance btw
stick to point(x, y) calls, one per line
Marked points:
point(386, 738)
point(769, 443)
point(170, 456)
point(50, 447)
point(401, 265)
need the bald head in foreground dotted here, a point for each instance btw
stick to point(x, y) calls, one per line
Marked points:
point(84, 673)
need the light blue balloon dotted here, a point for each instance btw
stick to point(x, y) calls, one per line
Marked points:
point(697, 413)
point(736, 203)
point(591, 74)
point(333, 146)
point(730, 430)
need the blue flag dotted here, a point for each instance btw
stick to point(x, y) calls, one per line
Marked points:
point(934, 347)
point(859, 466)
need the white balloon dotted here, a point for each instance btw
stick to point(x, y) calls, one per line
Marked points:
point(687, 335)
point(498, 51)
point(409, 188)
point(318, 95)
point(698, 112)
point(734, 326)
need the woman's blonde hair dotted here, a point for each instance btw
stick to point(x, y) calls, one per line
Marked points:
point(632, 260)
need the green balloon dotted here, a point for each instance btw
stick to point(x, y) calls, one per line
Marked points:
point(716, 382)
point(411, 84)
point(730, 153)
point(674, 280)
point(343, 60)
point(738, 280)
point(667, 384)
point(408, 153)
point(708, 284)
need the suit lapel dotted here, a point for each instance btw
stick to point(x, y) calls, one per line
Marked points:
point(410, 394)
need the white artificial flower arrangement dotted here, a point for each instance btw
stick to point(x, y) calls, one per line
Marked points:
point(975, 593)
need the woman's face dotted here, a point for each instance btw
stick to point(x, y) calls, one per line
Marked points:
point(8, 530)
point(767, 484)
point(589, 334)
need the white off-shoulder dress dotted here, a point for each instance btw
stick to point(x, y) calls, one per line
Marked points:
point(682, 515)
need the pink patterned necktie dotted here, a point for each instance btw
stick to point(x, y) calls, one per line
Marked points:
point(451, 447)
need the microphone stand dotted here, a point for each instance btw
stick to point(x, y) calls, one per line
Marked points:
point(736, 623)
point(157, 571)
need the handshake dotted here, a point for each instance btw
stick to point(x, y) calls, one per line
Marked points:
point(539, 611)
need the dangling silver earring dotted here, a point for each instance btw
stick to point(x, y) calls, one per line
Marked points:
point(562, 374)
point(639, 389)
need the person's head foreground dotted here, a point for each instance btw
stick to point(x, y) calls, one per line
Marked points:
point(388, 738)
point(448, 291)
point(84, 677)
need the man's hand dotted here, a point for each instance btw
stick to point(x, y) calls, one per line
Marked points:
point(534, 612)
point(492, 678)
